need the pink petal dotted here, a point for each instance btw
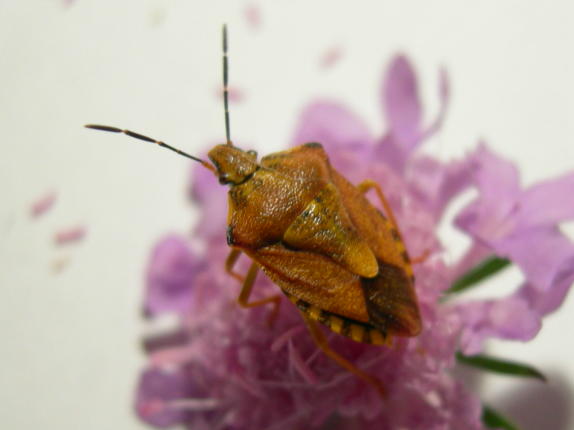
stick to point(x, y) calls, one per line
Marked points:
point(253, 16)
point(331, 57)
point(206, 190)
point(465, 408)
point(511, 318)
point(404, 114)
point(171, 270)
point(497, 178)
point(545, 302)
point(538, 252)
point(548, 202)
point(436, 183)
point(203, 183)
point(401, 101)
point(489, 216)
point(171, 357)
point(299, 365)
point(234, 94)
point(70, 235)
point(444, 96)
point(392, 152)
point(473, 256)
point(156, 389)
point(331, 125)
point(282, 340)
point(43, 204)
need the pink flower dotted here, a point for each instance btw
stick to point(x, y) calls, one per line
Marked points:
point(223, 368)
point(257, 377)
point(523, 226)
point(169, 283)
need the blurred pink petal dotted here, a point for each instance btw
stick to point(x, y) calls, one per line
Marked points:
point(43, 204)
point(70, 235)
point(234, 94)
point(345, 136)
point(511, 318)
point(300, 365)
point(331, 57)
point(444, 98)
point(157, 389)
point(403, 111)
point(488, 216)
point(548, 202)
point(472, 257)
point(498, 184)
point(333, 126)
point(546, 302)
point(170, 276)
point(539, 252)
point(206, 191)
point(170, 357)
point(401, 102)
point(436, 183)
point(517, 317)
point(253, 16)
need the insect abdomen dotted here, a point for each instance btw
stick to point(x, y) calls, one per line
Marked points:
point(358, 331)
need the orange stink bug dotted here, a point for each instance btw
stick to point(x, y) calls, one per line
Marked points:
point(314, 234)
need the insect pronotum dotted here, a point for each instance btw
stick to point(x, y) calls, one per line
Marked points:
point(314, 234)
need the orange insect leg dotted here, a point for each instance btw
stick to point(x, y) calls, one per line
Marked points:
point(230, 262)
point(365, 186)
point(321, 342)
point(248, 282)
point(421, 258)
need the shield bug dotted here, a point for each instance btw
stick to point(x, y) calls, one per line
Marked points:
point(314, 234)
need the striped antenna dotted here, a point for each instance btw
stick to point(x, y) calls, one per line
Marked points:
point(149, 139)
point(225, 86)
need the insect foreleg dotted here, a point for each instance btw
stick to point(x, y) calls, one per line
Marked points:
point(322, 343)
point(421, 258)
point(230, 262)
point(246, 289)
point(366, 185)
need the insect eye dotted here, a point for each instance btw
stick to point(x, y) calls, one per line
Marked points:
point(224, 179)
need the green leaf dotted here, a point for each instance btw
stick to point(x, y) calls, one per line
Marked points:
point(479, 273)
point(493, 419)
point(497, 365)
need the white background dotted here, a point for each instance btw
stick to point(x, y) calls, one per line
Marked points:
point(69, 341)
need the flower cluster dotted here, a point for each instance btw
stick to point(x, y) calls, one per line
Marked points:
point(224, 368)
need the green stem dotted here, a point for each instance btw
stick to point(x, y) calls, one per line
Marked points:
point(477, 274)
point(493, 419)
point(497, 365)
